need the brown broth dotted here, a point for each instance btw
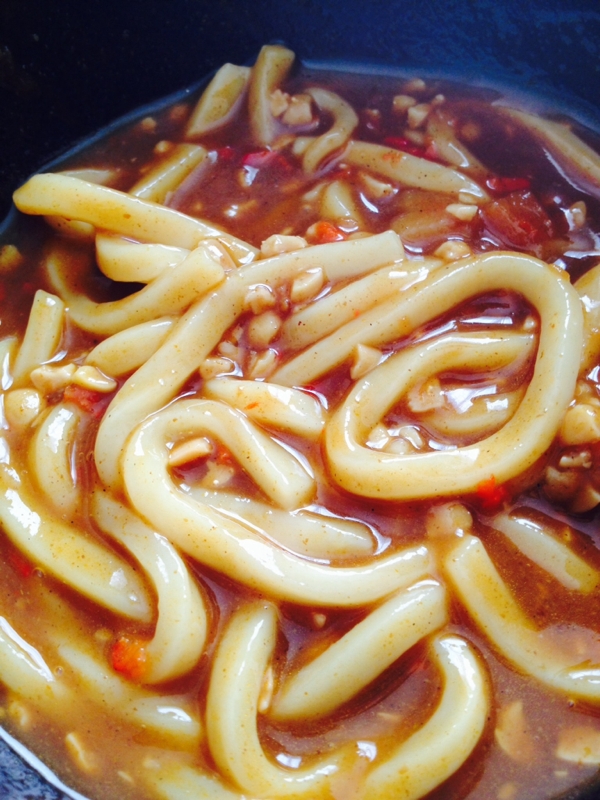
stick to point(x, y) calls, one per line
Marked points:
point(408, 691)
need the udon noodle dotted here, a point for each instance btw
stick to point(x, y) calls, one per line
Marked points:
point(299, 460)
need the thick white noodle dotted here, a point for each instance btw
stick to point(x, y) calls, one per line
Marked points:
point(410, 170)
point(443, 744)
point(8, 348)
point(42, 335)
point(488, 600)
point(51, 459)
point(307, 532)
point(242, 656)
point(357, 658)
point(268, 404)
point(170, 171)
point(127, 350)
point(220, 101)
point(180, 782)
point(25, 672)
point(337, 137)
point(228, 546)
point(118, 212)
point(271, 67)
point(201, 328)
point(61, 549)
point(174, 290)
point(121, 259)
point(568, 149)
point(504, 454)
point(588, 287)
point(548, 551)
point(170, 716)
point(182, 624)
point(485, 415)
point(328, 313)
point(445, 288)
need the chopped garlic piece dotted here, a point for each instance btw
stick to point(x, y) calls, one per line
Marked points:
point(279, 243)
point(213, 366)
point(513, 734)
point(264, 328)
point(278, 102)
point(184, 452)
point(426, 396)
point(89, 377)
point(318, 620)
point(587, 497)
point(10, 258)
point(378, 437)
point(22, 407)
point(365, 359)
point(417, 115)
point(415, 85)
point(307, 285)
point(402, 102)
point(263, 364)
point(376, 189)
point(259, 298)
point(452, 250)
point(581, 425)
point(581, 460)
point(450, 519)
point(81, 755)
point(462, 211)
point(49, 378)
point(400, 447)
point(299, 110)
point(579, 744)
point(21, 714)
point(217, 475)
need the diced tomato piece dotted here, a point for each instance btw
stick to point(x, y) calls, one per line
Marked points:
point(88, 400)
point(324, 232)
point(128, 656)
point(506, 185)
point(518, 220)
point(491, 495)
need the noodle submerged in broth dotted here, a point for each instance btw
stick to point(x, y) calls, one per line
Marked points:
point(300, 448)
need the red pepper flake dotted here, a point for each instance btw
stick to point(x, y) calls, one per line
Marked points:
point(506, 185)
point(490, 494)
point(324, 232)
point(88, 400)
point(250, 406)
point(24, 567)
point(128, 656)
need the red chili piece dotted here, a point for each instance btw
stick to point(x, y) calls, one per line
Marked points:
point(491, 495)
point(128, 656)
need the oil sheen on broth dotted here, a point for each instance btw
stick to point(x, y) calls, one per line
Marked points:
point(299, 456)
